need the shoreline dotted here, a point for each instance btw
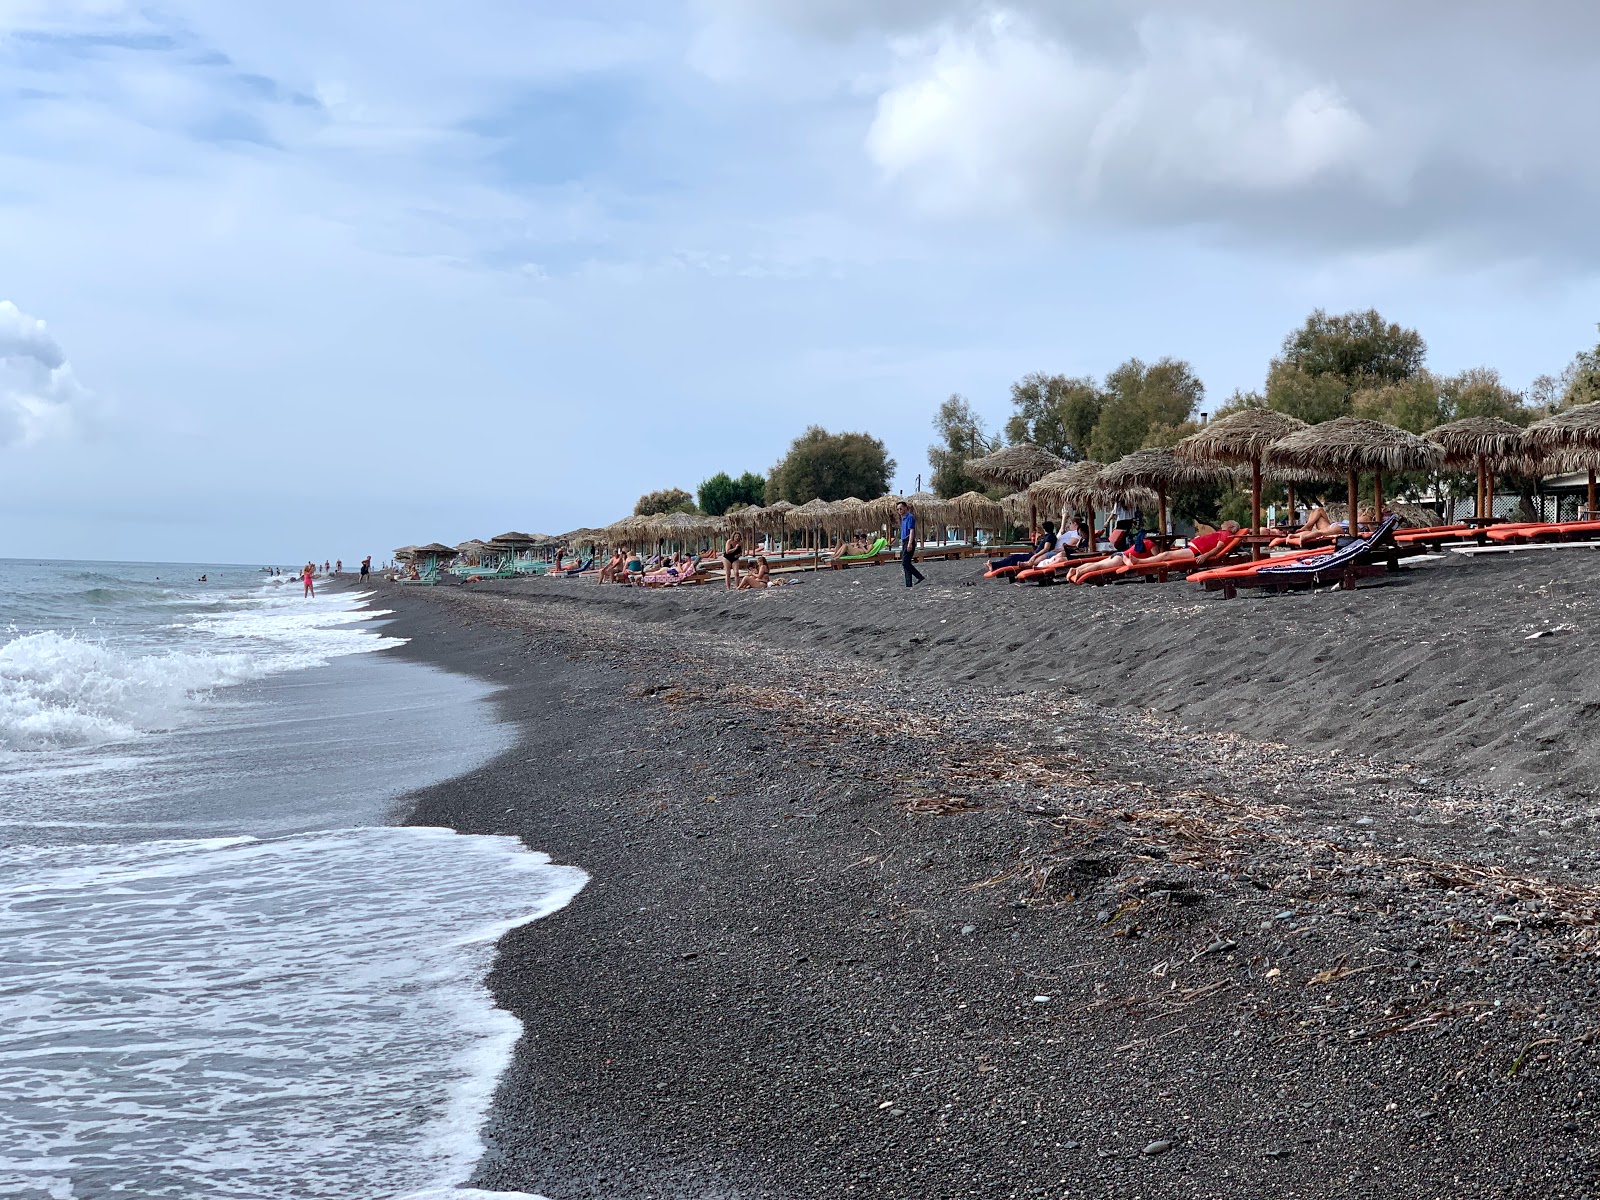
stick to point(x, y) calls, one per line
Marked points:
point(803, 967)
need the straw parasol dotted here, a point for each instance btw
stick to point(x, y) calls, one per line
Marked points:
point(1353, 445)
point(1016, 507)
point(1241, 438)
point(1018, 466)
point(1573, 432)
point(1158, 469)
point(1484, 443)
point(974, 510)
point(845, 515)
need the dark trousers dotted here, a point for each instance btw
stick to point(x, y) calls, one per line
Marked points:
point(910, 568)
point(1010, 560)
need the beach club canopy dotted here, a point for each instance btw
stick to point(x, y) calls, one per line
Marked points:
point(434, 550)
point(1241, 439)
point(1075, 484)
point(1352, 445)
point(1484, 443)
point(974, 510)
point(1016, 507)
point(847, 515)
point(1014, 466)
point(808, 515)
point(518, 540)
point(404, 553)
point(1158, 470)
point(1573, 435)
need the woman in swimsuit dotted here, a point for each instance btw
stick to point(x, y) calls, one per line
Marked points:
point(731, 552)
point(759, 576)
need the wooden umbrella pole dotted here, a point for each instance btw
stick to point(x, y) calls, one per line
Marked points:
point(1255, 494)
point(1590, 513)
point(1161, 504)
point(1377, 498)
point(1354, 501)
point(1483, 471)
point(1289, 487)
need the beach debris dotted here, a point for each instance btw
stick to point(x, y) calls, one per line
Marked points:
point(1157, 1148)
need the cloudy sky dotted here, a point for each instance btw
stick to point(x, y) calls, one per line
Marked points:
point(283, 278)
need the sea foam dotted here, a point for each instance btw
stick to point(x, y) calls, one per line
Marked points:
point(241, 1018)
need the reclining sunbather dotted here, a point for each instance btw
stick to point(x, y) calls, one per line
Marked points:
point(1202, 548)
point(1071, 541)
point(615, 569)
point(1023, 559)
point(1139, 551)
point(1319, 527)
point(682, 568)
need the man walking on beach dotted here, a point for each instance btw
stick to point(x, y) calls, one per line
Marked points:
point(366, 567)
point(908, 543)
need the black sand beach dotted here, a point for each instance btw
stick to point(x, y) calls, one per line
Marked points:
point(1006, 892)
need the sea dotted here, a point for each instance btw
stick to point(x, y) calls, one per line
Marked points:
point(226, 973)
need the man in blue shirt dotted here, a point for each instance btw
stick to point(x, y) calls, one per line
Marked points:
point(908, 543)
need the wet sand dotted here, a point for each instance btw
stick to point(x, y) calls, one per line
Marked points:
point(1004, 891)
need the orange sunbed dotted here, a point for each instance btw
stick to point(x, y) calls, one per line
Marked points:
point(1509, 533)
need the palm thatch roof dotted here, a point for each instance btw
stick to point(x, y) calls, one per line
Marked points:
point(1471, 438)
point(1568, 433)
point(1239, 437)
point(1075, 484)
point(1356, 444)
point(434, 550)
point(1156, 468)
point(780, 507)
point(1015, 507)
point(974, 510)
point(808, 515)
point(404, 553)
point(1014, 466)
point(471, 545)
point(513, 539)
point(847, 515)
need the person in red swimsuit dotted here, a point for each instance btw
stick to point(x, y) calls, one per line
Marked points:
point(1200, 550)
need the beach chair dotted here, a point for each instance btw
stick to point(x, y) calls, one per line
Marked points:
point(874, 555)
point(1230, 552)
point(1359, 558)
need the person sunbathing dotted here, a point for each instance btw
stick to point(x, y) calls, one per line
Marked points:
point(1025, 560)
point(676, 572)
point(1201, 549)
point(1319, 528)
point(1070, 542)
point(1138, 551)
point(614, 568)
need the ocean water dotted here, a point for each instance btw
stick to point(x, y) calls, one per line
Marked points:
point(223, 972)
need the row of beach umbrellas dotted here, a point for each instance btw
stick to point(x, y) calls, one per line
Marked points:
point(1270, 446)
point(1275, 447)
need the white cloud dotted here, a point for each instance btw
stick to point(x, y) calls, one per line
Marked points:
point(38, 391)
point(1001, 116)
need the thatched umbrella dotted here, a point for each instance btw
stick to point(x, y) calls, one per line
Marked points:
point(1241, 438)
point(1575, 432)
point(846, 515)
point(1485, 443)
point(1016, 507)
point(1077, 485)
point(1353, 445)
point(974, 511)
point(1018, 466)
point(471, 549)
point(1158, 469)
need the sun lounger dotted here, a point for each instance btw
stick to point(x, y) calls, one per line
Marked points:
point(874, 555)
point(1162, 571)
point(1359, 558)
point(1543, 532)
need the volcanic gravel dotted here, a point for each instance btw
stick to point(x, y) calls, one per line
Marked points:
point(990, 891)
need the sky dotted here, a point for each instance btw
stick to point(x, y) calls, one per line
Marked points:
point(284, 279)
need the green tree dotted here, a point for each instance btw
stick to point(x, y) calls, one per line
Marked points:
point(667, 500)
point(1415, 403)
point(1478, 392)
point(830, 466)
point(1139, 397)
point(721, 492)
point(1580, 382)
point(962, 435)
point(1330, 358)
point(1056, 412)
point(1357, 346)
